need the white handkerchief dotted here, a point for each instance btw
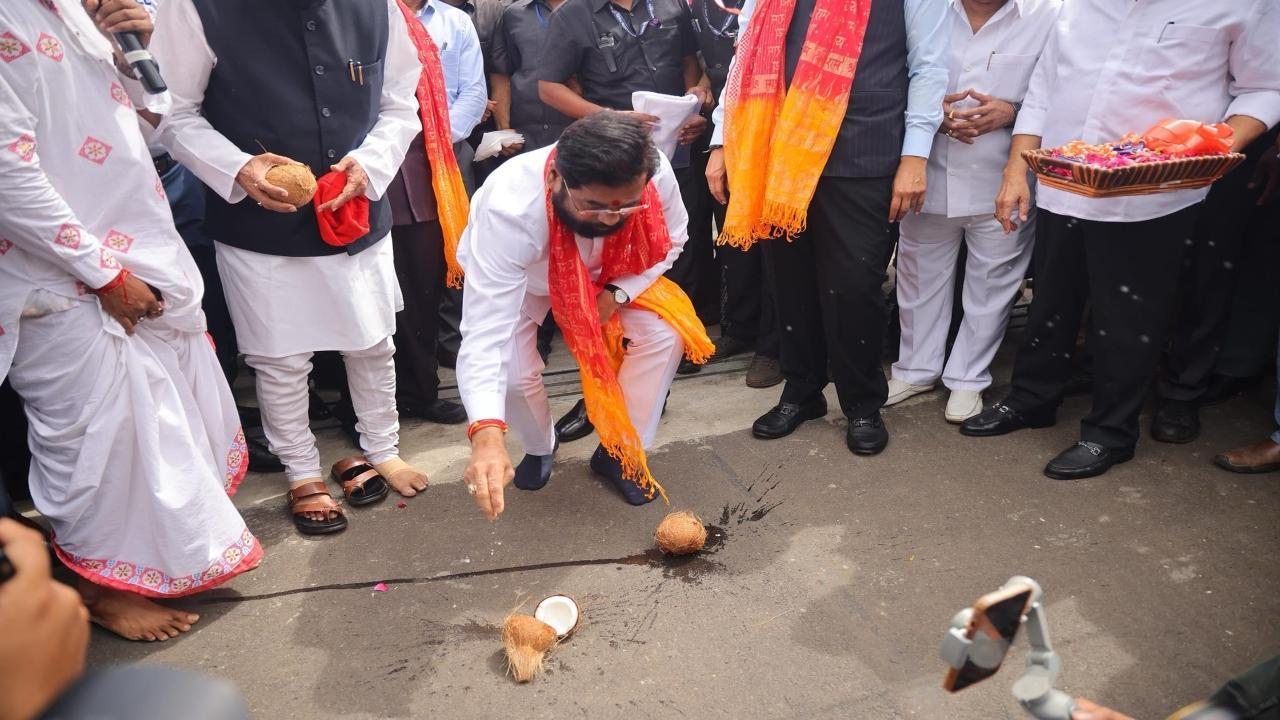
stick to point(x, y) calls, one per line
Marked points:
point(492, 143)
point(672, 111)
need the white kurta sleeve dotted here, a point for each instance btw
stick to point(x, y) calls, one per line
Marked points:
point(1255, 66)
point(180, 48)
point(496, 254)
point(384, 148)
point(36, 218)
point(677, 225)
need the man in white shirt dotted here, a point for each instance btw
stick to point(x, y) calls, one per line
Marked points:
point(330, 85)
point(994, 46)
point(135, 439)
point(1107, 70)
point(603, 165)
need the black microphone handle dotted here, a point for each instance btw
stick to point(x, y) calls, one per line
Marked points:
point(141, 62)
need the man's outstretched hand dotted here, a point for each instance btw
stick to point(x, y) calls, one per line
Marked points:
point(489, 471)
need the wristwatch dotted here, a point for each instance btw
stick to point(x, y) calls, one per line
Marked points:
point(620, 296)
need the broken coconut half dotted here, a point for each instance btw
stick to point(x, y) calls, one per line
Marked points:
point(526, 641)
point(561, 613)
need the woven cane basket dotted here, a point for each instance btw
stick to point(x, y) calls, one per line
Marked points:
point(1139, 179)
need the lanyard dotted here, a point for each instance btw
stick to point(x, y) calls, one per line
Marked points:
point(723, 30)
point(626, 26)
point(537, 9)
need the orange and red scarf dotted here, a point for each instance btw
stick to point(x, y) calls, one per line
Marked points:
point(778, 139)
point(433, 107)
point(642, 243)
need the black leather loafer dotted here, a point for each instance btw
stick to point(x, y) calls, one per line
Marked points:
point(1176, 421)
point(1000, 419)
point(867, 436)
point(443, 412)
point(260, 458)
point(575, 424)
point(1085, 460)
point(785, 417)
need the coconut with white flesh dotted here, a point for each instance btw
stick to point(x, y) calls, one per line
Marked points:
point(561, 613)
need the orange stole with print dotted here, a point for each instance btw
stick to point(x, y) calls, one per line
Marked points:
point(777, 139)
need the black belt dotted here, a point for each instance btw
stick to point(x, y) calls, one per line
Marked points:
point(164, 163)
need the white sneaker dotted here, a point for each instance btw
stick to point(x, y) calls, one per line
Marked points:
point(900, 390)
point(962, 405)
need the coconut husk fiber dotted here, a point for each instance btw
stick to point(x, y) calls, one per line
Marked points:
point(526, 640)
point(681, 533)
point(295, 179)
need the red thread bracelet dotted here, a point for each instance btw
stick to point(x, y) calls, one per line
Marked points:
point(479, 425)
point(116, 282)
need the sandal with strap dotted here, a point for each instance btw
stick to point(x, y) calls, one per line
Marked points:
point(361, 483)
point(314, 497)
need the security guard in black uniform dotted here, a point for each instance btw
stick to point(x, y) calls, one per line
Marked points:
point(517, 48)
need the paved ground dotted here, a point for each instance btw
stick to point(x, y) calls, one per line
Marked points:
point(827, 595)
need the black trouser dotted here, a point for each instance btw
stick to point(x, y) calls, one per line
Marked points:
point(1207, 282)
point(451, 299)
point(1250, 338)
point(695, 271)
point(1128, 273)
point(827, 287)
point(420, 267)
point(747, 310)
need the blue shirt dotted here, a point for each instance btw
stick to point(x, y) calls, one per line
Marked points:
point(463, 64)
point(928, 45)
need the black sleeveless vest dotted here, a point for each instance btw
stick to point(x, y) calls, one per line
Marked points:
point(283, 81)
point(870, 140)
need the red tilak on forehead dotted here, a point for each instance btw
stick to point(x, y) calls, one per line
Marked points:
point(615, 203)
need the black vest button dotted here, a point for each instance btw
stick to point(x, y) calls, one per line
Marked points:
point(326, 112)
point(311, 25)
point(319, 69)
point(332, 154)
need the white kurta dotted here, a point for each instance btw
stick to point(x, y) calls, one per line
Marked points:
point(1111, 68)
point(963, 181)
point(136, 441)
point(504, 253)
point(284, 306)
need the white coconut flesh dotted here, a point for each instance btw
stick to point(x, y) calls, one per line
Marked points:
point(560, 612)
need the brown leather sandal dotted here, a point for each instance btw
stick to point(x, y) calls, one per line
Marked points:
point(361, 483)
point(314, 497)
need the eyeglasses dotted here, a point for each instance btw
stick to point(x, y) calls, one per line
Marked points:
point(621, 212)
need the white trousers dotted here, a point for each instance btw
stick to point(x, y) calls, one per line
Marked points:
point(136, 446)
point(648, 366)
point(996, 264)
point(284, 403)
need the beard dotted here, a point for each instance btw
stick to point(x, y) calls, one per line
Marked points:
point(560, 203)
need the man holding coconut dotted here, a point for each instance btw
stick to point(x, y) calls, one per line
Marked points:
point(330, 85)
point(586, 228)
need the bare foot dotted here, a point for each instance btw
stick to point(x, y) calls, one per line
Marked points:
point(403, 477)
point(132, 616)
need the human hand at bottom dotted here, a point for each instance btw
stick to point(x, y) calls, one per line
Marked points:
point(489, 471)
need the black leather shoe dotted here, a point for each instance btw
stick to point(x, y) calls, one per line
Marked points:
point(260, 458)
point(867, 436)
point(1085, 460)
point(1176, 421)
point(575, 424)
point(727, 347)
point(785, 417)
point(444, 412)
point(688, 367)
point(1001, 419)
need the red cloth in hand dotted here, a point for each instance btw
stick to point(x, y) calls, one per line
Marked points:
point(1189, 138)
point(346, 224)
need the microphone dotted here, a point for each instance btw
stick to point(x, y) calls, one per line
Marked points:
point(144, 66)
